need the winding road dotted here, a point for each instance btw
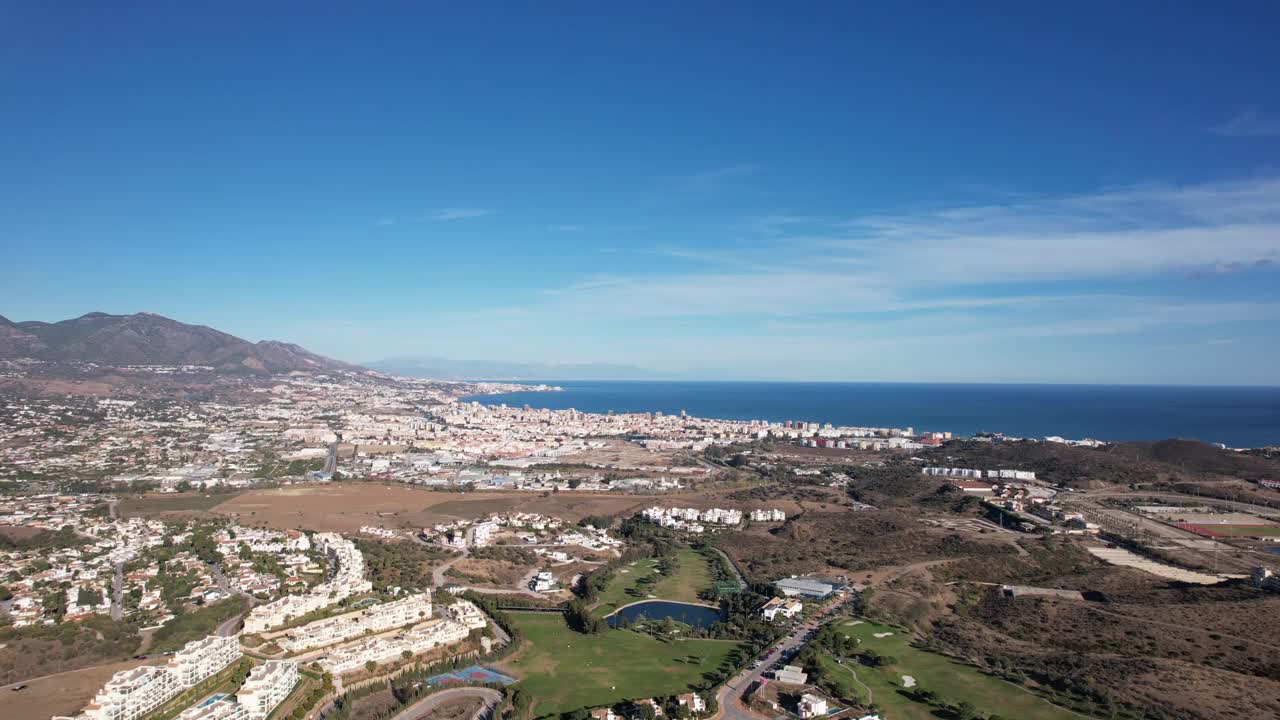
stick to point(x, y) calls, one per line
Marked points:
point(424, 707)
point(438, 573)
point(729, 696)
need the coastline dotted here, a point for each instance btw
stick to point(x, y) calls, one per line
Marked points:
point(1233, 416)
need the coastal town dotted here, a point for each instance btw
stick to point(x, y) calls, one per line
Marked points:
point(287, 544)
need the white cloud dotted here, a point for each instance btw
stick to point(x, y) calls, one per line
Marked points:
point(1248, 123)
point(953, 257)
point(448, 214)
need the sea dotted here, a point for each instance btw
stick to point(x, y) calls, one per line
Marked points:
point(1234, 416)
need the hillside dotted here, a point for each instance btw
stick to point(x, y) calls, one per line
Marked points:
point(1120, 463)
point(147, 339)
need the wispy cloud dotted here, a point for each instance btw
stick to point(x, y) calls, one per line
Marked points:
point(448, 214)
point(779, 222)
point(961, 258)
point(1248, 123)
point(441, 215)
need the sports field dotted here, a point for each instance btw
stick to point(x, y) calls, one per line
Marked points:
point(693, 575)
point(565, 670)
point(1215, 530)
point(952, 681)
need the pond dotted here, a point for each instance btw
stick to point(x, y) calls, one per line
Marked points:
point(699, 616)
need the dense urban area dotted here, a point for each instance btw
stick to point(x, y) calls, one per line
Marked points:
point(179, 541)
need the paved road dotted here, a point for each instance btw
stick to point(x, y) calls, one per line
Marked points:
point(117, 581)
point(230, 625)
point(439, 580)
point(729, 696)
point(424, 707)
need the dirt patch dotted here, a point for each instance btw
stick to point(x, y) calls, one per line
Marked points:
point(847, 543)
point(623, 453)
point(345, 507)
point(496, 573)
point(19, 532)
point(459, 709)
point(62, 694)
point(372, 707)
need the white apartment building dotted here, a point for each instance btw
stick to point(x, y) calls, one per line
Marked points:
point(348, 579)
point(134, 693)
point(220, 710)
point(420, 639)
point(131, 694)
point(266, 687)
point(377, 618)
point(201, 659)
point(482, 532)
point(466, 614)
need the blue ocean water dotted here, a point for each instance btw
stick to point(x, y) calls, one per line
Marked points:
point(1236, 416)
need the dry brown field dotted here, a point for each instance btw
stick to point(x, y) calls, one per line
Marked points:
point(345, 507)
point(19, 532)
point(61, 694)
point(495, 573)
point(621, 452)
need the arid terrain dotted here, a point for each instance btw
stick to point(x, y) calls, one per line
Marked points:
point(346, 507)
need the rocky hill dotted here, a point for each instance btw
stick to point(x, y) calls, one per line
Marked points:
point(147, 339)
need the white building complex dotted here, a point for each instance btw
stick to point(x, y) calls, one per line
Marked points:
point(466, 614)
point(266, 687)
point(347, 580)
point(689, 519)
point(420, 639)
point(976, 474)
point(220, 710)
point(133, 693)
point(130, 694)
point(374, 619)
point(200, 659)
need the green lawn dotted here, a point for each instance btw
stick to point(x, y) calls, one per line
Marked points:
point(694, 574)
point(624, 589)
point(952, 681)
point(565, 670)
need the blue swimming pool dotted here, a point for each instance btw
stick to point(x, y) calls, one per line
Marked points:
point(213, 699)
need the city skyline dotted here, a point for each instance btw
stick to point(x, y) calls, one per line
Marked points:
point(850, 195)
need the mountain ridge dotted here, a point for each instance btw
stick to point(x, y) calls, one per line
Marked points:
point(150, 339)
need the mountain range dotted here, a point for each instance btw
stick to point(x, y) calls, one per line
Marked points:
point(148, 339)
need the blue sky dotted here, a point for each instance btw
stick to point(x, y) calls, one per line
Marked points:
point(834, 191)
